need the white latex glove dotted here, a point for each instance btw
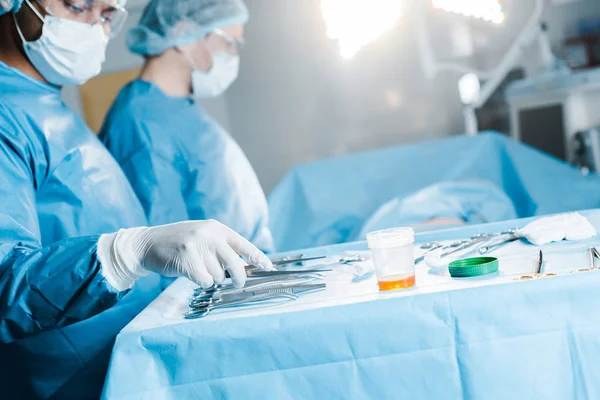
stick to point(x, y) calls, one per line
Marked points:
point(197, 250)
point(546, 230)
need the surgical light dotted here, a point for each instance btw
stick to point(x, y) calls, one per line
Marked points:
point(487, 10)
point(469, 88)
point(357, 23)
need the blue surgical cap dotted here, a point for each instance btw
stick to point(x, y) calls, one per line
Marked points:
point(7, 6)
point(172, 23)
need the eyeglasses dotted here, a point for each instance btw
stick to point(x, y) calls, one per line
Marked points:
point(111, 15)
point(234, 45)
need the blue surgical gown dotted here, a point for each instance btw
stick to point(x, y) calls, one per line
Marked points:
point(328, 201)
point(182, 164)
point(59, 189)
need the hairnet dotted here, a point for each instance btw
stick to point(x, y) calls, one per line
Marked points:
point(172, 23)
point(13, 6)
point(7, 6)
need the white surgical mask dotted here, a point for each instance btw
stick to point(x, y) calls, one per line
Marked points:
point(68, 52)
point(222, 74)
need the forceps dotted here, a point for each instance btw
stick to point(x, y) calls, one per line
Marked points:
point(204, 310)
point(486, 249)
point(299, 259)
point(467, 243)
point(254, 283)
point(252, 272)
point(593, 255)
point(277, 284)
point(222, 298)
point(538, 270)
point(479, 238)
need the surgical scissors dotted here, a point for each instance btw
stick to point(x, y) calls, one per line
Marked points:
point(250, 294)
point(204, 310)
point(299, 259)
point(486, 249)
point(258, 282)
point(479, 238)
point(252, 272)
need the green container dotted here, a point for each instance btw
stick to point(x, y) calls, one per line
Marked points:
point(470, 267)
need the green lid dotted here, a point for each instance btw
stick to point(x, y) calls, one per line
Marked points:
point(476, 266)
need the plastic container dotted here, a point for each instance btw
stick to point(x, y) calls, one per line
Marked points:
point(393, 257)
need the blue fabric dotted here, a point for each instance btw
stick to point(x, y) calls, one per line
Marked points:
point(60, 189)
point(468, 202)
point(328, 201)
point(172, 23)
point(10, 6)
point(525, 340)
point(182, 164)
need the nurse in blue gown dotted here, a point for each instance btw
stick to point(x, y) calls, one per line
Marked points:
point(181, 163)
point(67, 265)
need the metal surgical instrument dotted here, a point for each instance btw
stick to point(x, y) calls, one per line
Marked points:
point(299, 259)
point(252, 272)
point(249, 295)
point(435, 246)
point(203, 311)
point(486, 249)
point(258, 282)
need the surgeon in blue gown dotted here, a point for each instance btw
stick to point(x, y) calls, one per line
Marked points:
point(76, 262)
point(181, 163)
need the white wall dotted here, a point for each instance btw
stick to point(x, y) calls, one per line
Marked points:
point(297, 101)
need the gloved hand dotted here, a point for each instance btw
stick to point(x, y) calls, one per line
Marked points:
point(197, 250)
point(573, 226)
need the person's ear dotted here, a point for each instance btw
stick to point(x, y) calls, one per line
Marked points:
point(198, 52)
point(186, 49)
